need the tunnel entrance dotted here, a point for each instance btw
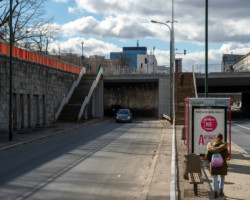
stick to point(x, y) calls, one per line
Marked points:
point(140, 97)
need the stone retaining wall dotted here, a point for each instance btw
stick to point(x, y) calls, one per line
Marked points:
point(37, 93)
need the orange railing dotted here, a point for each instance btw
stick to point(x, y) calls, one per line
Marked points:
point(38, 58)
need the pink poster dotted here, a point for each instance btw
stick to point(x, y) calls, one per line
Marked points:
point(208, 122)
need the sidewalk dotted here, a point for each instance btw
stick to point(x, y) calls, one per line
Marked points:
point(237, 182)
point(28, 135)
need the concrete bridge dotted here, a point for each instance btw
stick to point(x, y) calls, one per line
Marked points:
point(221, 83)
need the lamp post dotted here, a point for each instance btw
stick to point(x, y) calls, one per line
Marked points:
point(171, 60)
point(5, 26)
point(10, 77)
point(82, 51)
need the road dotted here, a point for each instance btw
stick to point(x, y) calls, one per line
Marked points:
point(241, 133)
point(99, 161)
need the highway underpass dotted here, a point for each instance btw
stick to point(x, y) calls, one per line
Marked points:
point(144, 95)
point(224, 83)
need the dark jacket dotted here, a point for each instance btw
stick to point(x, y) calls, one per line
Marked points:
point(222, 148)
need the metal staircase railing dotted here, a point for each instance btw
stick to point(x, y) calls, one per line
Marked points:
point(87, 98)
point(195, 86)
point(67, 98)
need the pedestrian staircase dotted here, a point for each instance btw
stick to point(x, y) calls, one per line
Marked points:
point(183, 89)
point(74, 105)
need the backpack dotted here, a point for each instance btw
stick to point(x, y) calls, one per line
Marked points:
point(217, 160)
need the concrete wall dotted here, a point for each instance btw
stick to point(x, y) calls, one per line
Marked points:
point(147, 95)
point(37, 92)
point(164, 98)
point(140, 97)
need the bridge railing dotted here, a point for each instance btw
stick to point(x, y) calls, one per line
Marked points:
point(200, 68)
point(195, 86)
point(119, 70)
point(39, 58)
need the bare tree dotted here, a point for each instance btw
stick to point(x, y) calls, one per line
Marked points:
point(43, 36)
point(26, 19)
point(124, 60)
point(5, 10)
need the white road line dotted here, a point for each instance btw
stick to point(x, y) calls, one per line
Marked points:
point(242, 126)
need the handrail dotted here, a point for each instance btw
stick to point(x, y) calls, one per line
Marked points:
point(66, 98)
point(87, 98)
point(195, 87)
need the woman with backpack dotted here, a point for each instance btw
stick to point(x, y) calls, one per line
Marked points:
point(216, 154)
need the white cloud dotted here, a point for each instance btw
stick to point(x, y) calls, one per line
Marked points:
point(61, 1)
point(131, 19)
point(228, 26)
point(197, 59)
point(122, 27)
point(91, 46)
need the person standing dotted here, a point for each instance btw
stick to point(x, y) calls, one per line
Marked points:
point(98, 68)
point(222, 148)
point(181, 77)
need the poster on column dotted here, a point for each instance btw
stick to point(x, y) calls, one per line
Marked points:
point(207, 123)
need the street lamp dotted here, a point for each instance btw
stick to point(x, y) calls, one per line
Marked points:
point(82, 51)
point(5, 26)
point(172, 57)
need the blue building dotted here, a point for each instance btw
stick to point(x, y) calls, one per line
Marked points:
point(228, 60)
point(129, 53)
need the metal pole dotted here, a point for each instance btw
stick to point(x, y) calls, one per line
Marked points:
point(10, 91)
point(172, 62)
point(82, 52)
point(206, 51)
point(171, 73)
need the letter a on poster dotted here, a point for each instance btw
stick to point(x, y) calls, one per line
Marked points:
point(208, 122)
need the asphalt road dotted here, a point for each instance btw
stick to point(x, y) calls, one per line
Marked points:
point(241, 133)
point(99, 161)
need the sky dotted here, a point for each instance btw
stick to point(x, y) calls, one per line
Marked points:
point(108, 25)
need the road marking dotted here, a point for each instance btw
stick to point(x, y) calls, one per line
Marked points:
point(242, 126)
point(236, 147)
point(240, 162)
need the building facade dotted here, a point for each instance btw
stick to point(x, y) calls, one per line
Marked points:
point(128, 57)
point(146, 64)
point(242, 65)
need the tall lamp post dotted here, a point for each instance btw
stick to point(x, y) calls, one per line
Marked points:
point(82, 51)
point(172, 57)
point(10, 91)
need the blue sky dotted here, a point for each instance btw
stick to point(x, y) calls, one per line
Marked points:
point(108, 25)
